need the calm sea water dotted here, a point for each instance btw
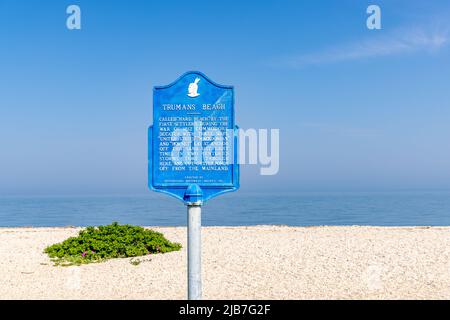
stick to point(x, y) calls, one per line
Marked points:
point(382, 209)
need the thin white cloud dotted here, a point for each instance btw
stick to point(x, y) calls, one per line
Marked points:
point(386, 44)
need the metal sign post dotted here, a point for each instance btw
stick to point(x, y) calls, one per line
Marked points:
point(194, 252)
point(192, 152)
point(193, 198)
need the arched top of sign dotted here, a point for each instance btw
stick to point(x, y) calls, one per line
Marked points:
point(196, 73)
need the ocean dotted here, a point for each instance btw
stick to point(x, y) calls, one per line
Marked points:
point(234, 209)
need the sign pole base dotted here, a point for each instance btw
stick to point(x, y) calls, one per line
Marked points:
point(194, 251)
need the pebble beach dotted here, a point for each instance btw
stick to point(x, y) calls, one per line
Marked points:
point(260, 262)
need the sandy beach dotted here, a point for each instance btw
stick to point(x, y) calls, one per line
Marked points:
point(262, 262)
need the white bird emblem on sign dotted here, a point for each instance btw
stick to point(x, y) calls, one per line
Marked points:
point(193, 88)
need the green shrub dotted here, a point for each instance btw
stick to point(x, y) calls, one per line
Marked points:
point(95, 244)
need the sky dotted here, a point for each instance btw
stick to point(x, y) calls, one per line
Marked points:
point(357, 109)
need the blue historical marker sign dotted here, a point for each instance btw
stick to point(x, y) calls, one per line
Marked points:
point(192, 145)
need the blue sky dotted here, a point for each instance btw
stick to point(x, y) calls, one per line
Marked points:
point(357, 109)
